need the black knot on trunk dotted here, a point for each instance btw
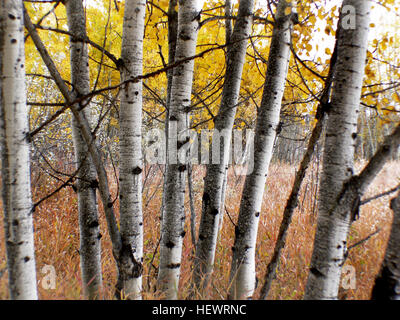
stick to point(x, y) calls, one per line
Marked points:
point(137, 170)
point(94, 184)
point(28, 137)
point(93, 224)
point(316, 272)
point(206, 198)
point(182, 168)
point(170, 244)
point(214, 212)
point(120, 64)
point(237, 231)
point(180, 144)
point(184, 36)
point(279, 128)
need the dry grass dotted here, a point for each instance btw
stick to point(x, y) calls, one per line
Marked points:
point(57, 237)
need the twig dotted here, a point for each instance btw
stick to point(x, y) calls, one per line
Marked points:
point(364, 240)
point(229, 216)
point(380, 195)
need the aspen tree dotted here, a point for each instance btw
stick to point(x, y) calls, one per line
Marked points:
point(216, 172)
point(16, 182)
point(242, 274)
point(341, 133)
point(90, 245)
point(131, 160)
point(173, 218)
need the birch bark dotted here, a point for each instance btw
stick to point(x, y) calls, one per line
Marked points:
point(242, 274)
point(90, 245)
point(292, 201)
point(214, 180)
point(104, 190)
point(332, 226)
point(16, 187)
point(173, 219)
point(130, 175)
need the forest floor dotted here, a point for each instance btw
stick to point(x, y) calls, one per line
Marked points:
point(57, 236)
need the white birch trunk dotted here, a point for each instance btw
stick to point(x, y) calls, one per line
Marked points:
point(90, 246)
point(213, 183)
point(332, 227)
point(104, 191)
point(131, 162)
point(173, 219)
point(16, 188)
point(242, 275)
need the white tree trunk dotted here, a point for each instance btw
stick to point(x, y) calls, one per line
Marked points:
point(104, 191)
point(131, 162)
point(332, 229)
point(243, 276)
point(213, 183)
point(173, 220)
point(90, 247)
point(16, 188)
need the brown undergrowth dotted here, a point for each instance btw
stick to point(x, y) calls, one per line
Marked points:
point(57, 236)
